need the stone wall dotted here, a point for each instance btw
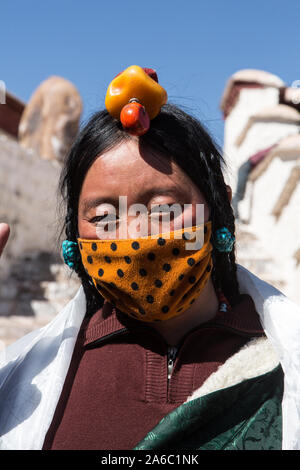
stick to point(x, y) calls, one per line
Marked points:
point(34, 282)
point(28, 201)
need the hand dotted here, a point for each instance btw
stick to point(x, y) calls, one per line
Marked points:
point(4, 234)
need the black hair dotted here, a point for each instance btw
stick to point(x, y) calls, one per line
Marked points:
point(172, 134)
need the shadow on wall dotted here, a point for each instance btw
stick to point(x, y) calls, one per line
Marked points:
point(25, 283)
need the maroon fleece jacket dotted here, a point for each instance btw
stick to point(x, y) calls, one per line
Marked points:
point(117, 389)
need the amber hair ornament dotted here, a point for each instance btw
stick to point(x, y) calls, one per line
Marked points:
point(135, 97)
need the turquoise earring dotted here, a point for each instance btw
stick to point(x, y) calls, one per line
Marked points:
point(223, 240)
point(71, 253)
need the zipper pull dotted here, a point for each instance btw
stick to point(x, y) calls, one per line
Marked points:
point(172, 351)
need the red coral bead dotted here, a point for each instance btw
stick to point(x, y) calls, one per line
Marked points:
point(135, 119)
point(152, 73)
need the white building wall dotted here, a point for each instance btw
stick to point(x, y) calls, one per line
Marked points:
point(279, 238)
point(266, 192)
point(271, 254)
point(250, 101)
point(285, 241)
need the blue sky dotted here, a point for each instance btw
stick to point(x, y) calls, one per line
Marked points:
point(194, 45)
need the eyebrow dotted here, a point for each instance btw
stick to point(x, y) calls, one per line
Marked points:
point(91, 203)
point(162, 190)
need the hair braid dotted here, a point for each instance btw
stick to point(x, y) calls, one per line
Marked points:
point(224, 272)
point(94, 300)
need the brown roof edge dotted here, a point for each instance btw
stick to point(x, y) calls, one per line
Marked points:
point(10, 114)
point(285, 99)
point(246, 78)
point(13, 102)
point(231, 95)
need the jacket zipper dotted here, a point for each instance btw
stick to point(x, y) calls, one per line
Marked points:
point(172, 351)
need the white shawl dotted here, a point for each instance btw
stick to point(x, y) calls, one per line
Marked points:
point(34, 368)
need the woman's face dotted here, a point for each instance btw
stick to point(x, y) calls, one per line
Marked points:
point(143, 178)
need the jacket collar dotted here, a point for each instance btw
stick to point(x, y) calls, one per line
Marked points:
point(242, 318)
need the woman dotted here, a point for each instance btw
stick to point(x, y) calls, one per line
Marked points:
point(162, 347)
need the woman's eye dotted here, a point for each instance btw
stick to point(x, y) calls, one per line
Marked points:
point(104, 219)
point(163, 211)
point(106, 223)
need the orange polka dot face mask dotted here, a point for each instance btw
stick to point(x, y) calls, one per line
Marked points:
point(150, 279)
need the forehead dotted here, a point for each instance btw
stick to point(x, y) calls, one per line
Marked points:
point(128, 170)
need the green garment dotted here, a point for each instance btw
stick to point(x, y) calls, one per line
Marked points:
point(246, 416)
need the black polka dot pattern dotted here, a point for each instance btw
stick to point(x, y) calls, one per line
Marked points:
point(135, 245)
point(161, 241)
point(150, 299)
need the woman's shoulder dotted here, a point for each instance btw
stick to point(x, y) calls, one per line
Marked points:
point(32, 374)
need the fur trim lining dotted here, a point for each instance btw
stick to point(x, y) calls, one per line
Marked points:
point(256, 358)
